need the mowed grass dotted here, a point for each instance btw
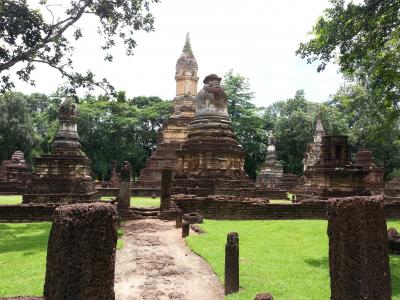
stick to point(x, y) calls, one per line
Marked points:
point(23, 250)
point(140, 201)
point(287, 258)
point(14, 199)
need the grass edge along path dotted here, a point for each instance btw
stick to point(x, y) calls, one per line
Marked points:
point(287, 258)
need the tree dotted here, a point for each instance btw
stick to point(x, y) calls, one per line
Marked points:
point(377, 130)
point(237, 88)
point(28, 38)
point(293, 122)
point(120, 130)
point(247, 122)
point(364, 39)
point(16, 126)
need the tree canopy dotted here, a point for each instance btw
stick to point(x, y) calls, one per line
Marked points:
point(45, 35)
point(364, 39)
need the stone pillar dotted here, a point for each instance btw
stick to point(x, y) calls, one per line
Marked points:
point(124, 196)
point(113, 174)
point(232, 263)
point(81, 252)
point(178, 223)
point(166, 189)
point(185, 229)
point(358, 250)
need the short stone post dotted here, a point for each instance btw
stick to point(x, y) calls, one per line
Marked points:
point(358, 250)
point(232, 263)
point(81, 252)
point(124, 196)
point(166, 189)
point(185, 229)
point(113, 174)
point(178, 223)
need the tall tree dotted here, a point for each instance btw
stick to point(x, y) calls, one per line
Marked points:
point(29, 37)
point(16, 126)
point(364, 39)
point(247, 121)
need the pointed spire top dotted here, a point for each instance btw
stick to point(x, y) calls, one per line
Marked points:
point(187, 48)
point(319, 127)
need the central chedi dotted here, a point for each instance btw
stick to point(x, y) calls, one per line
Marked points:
point(211, 161)
point(175, 130)
point(64, 175)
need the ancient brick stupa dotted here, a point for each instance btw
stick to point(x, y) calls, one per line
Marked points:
point(64, 175)
point(336, 175)
point(313, 152)
point(14, 174)
point(175, 130)
point(211, 162)
point(271, 171)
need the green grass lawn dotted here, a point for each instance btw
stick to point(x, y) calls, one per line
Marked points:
point(14, 199)
point(280, 201)
point(288, 259)
point(23, 249)
point(140, 201)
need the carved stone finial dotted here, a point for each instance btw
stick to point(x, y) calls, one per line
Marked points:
point(212, 98)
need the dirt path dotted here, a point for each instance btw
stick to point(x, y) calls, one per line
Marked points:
point(156, 264)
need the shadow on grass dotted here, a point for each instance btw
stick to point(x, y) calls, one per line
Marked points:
point(318, 263)
point(394, 270)
point(27, 238)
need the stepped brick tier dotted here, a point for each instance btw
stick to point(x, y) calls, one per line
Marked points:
point(313, 151)
point(175, 130)
point(64, 175)
point(14, 174)
point(271, 171)
point(391, 191)
point(335, 175)
point(211, 160)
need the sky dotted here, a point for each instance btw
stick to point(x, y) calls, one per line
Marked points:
point(256, 38)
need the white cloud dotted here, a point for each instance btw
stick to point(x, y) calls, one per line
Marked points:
point(257, 39)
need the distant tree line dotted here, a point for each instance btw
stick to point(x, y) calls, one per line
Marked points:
point(121, 128)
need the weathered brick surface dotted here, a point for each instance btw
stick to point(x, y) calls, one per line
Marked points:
point(26, 213)
point(358, 251)
point(81, 252)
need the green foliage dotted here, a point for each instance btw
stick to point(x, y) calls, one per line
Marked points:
point(293, 123)
point(16, 126)
point(364, 39)
point(116, 130)
point(29, 39)
point(247, 122)
point(288, 259)
point(371, 125)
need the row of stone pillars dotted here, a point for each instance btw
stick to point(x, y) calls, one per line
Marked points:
point(358, 251)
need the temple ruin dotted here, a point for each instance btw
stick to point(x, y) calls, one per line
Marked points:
point(211, 161)
point(271, 171)
point(14, 174)
point(313, 152)
point(336, 175)
point(64, 175)
point(175, 130)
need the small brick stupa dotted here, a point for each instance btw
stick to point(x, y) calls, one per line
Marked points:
point(175, 130)
point(211, 162)
point(14, 174)
point(271, 171)
point(313, 152)
point(64, 175)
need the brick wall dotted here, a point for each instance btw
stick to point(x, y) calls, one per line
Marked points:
point(236, 210)
point(26, 213)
